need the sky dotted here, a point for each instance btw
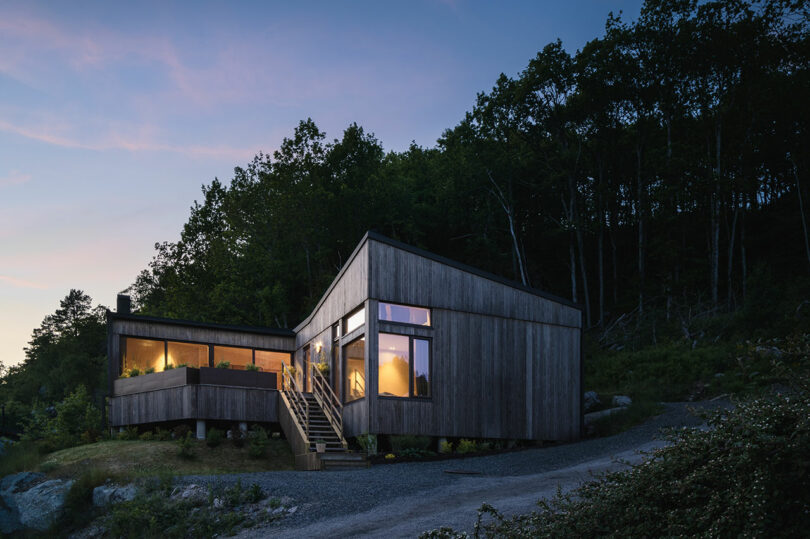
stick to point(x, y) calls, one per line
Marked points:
point(113, 115)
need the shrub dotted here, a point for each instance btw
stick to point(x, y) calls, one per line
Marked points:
point(257, 442)
point(237, 436)
point(78, 509)
point(128, 434)
point(146, 436)
point(368, 442)
point(445, 447)
point(180, 431)
point(224, 365)
point(398, 443)
point(66, 424)
point(390, 456)
point(466, 446)
point(416, 453)
point(213, 438)
point(162, 435)
point(252, 367)
point(150, 370)
point(185, 447)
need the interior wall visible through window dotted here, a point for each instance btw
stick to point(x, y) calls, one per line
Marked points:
point(183, 354)
point(404, 314)
point(354, 373)
point(237, 357)
point(142, 354)
point(403, 366)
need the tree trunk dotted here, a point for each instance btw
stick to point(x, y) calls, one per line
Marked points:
point(801, 211)
point(731, 239)
point(715, 221)
point(641, 232)
point(601, 268)
point(583, 271)
point(743, 261)
point(573, 258)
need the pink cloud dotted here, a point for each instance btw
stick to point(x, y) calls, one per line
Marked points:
point(20, 283)
point(14, 178)
point(117, 141)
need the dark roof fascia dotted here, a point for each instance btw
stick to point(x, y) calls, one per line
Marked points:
point(202, 325)
point(376, 236)
point(334, 282)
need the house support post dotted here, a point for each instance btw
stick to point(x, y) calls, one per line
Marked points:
point(201, 429)
point(243, 426)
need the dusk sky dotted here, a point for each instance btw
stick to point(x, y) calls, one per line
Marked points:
point(112, 115)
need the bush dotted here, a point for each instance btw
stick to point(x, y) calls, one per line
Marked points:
point(146, 436)
point(180, 431)
point(128, 434)
point(213, 438)
point(257, 442)
point(368, 442)
point(185, 447)
point(747, 476)
point(162, 435)
point(466, 446)
point(399, 443)
point(224, 365)
point(237, 436)
point(66, 424)
point(445, 447)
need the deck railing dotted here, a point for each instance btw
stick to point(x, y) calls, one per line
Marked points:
point(329, 401)
point(294, 398)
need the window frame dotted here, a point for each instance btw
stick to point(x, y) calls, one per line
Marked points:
point(411, 338)
point(209, 344)
point(344, 324)
point(405, 324)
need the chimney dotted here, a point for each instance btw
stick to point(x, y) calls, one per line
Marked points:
point(124, 304)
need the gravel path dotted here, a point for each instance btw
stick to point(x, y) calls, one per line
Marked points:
point(403, 492)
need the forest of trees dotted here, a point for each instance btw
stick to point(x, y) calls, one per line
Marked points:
point(656, 175)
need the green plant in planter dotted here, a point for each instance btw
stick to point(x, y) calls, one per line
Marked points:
point(252, 367)
point(368, 442)
point(323, 368)
point(181, 365)
point(133, 372)
point(150, 370)
point(169, 366)
point(224, 365)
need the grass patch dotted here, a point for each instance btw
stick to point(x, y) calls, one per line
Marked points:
point(138, 458)
point(20, 457)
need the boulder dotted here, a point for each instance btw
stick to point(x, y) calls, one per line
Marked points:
point(42, 504)
point(110, 494)
point(622, 400)
point(591, 400)
point(10, 487)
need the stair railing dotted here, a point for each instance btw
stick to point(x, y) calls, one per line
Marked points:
point(329, 401)
point(295, 400)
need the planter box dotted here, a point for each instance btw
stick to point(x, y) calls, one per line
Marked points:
point(231, 377)
point(156, 380)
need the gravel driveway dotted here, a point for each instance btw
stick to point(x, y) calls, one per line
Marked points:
point(408, 498)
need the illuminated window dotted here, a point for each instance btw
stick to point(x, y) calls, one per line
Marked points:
point(391, 312)
point(142, 354)
point(190, 355)
point(403, 366)
point(355, 320)
point(271, 361)
point(237, 357)
point(355, 377)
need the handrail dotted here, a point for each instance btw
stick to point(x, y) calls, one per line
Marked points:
point(295, 398)
point(331, 405)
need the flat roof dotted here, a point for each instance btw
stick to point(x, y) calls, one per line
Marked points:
point(276, 332)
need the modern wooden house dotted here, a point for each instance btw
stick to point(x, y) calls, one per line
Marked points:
point(402, 342)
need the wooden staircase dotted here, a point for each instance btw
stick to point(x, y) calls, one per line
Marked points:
point(311, 418)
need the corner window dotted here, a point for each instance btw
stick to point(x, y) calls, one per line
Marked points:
point(403, 366)
point(354, 320)
point(391, 312)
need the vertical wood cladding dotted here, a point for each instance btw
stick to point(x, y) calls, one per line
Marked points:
point(505, 362)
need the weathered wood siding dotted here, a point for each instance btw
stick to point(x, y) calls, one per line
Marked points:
point(403, 277)
point(195, 402)
point(505, 362)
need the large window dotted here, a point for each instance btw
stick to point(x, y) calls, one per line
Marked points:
point(142, 354)
point(391, 312)
point(237, 357)
point(354, 370)
point(271, 361)
point(403, 366)
point(183, 354)
point(354, 320)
